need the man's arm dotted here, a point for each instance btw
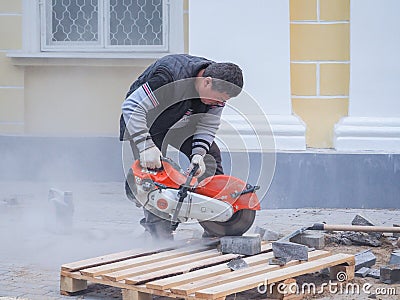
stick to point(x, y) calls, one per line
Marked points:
point(205, 131)
point(138, 104)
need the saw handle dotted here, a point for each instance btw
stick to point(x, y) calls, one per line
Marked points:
point(192, 172)
point(182, 195)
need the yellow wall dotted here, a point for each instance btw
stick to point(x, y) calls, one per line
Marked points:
point(320, 65)
point(11, 77)
point(75, 100)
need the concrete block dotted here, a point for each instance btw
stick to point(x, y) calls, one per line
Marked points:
point(395, 258)
point(290, 251)
point(396, 234)
point(260, 230)
point(270, 235)
point(364, 259)
point(374, 273)
point(360, 220)
point(311, 239)
point(71, 285)
point(390, 274)
point(237, 264)
point(245, 245)
point(266, 234)
point(363, 221)
point(363, 272)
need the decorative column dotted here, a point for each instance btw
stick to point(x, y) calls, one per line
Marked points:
point(320, 66)
point(374, 110)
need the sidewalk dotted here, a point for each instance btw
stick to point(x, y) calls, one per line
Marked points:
point(34, 246)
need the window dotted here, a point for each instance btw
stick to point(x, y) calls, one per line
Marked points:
point(104, 25)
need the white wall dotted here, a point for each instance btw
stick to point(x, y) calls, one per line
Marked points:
point(255, 35)
point(374, 107)
point(375, 58)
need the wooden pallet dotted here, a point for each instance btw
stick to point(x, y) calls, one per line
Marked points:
point(191, 272)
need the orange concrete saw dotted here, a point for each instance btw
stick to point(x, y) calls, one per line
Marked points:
point(223, 205)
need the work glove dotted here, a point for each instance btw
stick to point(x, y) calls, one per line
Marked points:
point(198, 159)
point(151, 158)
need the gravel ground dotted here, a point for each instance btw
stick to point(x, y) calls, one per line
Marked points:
point(34, 244)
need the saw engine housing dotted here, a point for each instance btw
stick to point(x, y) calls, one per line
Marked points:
point(217, 199)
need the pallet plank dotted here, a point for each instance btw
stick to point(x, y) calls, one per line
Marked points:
point(104, 259)
point(274, 276)
point(124, 255)
point(119, 275)
point(167, 283)
point(140, 261)
point(185, 268)
point(227, 277)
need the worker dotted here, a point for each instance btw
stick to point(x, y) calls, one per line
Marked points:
point(178, 101)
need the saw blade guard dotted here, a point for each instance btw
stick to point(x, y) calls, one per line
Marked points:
point(228, 189)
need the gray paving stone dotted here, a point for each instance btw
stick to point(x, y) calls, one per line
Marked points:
point(364, 259)
point(361, 220)
point(259, 230)
point(363, 272)
point(390, 274)
point(374, 273)
point(245, 245)
point(394, 258)
point(311, 239)
point(270, 235)
point(288, 251)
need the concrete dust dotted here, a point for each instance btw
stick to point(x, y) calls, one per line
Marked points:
point(103, 222)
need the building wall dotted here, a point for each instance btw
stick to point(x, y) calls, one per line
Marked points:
point(319, 69)
point(12, 109)
point(320, 65)
point(75, 100)
point(67, 96)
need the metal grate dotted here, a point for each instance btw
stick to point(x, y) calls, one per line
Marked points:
point(75, 20)
point(103, 24)
point(136, 22)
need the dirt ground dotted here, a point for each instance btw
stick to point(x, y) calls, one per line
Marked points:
point(33, 246)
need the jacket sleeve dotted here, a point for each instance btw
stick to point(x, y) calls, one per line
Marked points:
point(206, 129)
point(138, 104)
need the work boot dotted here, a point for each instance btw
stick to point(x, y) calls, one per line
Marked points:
point(159, 230)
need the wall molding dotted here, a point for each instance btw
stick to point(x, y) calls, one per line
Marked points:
point(261, 133)
point(367, 133)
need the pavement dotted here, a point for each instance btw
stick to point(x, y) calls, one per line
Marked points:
point(34, 244)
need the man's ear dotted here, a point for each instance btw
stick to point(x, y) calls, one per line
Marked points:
point(207, 81)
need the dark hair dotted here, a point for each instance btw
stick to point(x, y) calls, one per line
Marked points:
point(230, 78)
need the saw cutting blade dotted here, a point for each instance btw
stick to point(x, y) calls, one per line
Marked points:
point(240, 222)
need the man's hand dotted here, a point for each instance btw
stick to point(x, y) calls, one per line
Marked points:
point(198, 159)
point(151, 158)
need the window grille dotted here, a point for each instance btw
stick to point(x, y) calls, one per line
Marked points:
point(90, 25)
